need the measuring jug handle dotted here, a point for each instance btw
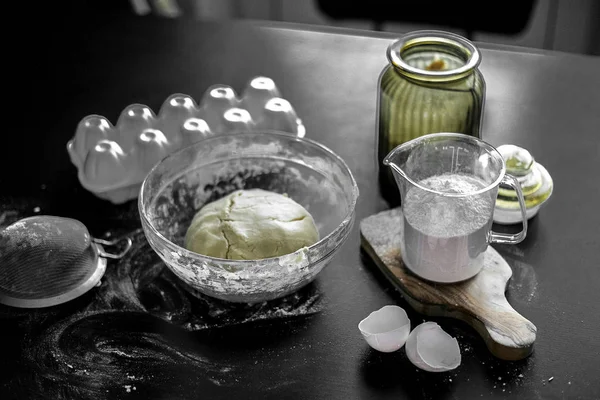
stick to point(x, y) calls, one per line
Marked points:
point(496, 237)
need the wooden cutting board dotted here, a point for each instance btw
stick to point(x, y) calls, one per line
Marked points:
point(479, 301)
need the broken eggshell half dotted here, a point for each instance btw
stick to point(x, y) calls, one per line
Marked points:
point(386, 329)
point(430, 348)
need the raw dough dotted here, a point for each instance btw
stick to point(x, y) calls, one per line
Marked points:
point(250, 225)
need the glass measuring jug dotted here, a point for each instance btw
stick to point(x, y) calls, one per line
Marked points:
point(448, 183)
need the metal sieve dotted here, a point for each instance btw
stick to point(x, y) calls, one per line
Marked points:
point(47, 260)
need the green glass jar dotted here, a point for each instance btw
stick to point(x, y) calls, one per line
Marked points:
point(432, 84)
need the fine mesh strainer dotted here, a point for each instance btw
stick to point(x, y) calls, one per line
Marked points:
point(47, 260)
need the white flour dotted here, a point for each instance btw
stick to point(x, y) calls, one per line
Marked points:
point(445, 237)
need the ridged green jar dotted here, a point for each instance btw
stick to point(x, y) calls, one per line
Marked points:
point(432, 84)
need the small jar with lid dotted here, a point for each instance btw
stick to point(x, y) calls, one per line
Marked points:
point(431, 84)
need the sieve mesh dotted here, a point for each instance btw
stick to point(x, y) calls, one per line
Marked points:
point(47, 260)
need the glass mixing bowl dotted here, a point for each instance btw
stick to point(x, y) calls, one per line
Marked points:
point(309, 173)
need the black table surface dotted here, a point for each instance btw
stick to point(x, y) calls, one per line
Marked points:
point(140, 335)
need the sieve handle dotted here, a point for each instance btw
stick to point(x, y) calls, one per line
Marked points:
point(103, 253)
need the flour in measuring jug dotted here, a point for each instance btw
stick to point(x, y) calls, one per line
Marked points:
point(445, 237)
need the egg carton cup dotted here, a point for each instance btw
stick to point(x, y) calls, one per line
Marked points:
point(113, 160)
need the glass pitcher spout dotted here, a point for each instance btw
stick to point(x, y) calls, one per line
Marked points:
point(395, 159)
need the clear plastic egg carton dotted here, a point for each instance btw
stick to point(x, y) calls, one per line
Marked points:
point(112, 161)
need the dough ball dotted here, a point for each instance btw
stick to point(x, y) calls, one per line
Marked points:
point(251, 225)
